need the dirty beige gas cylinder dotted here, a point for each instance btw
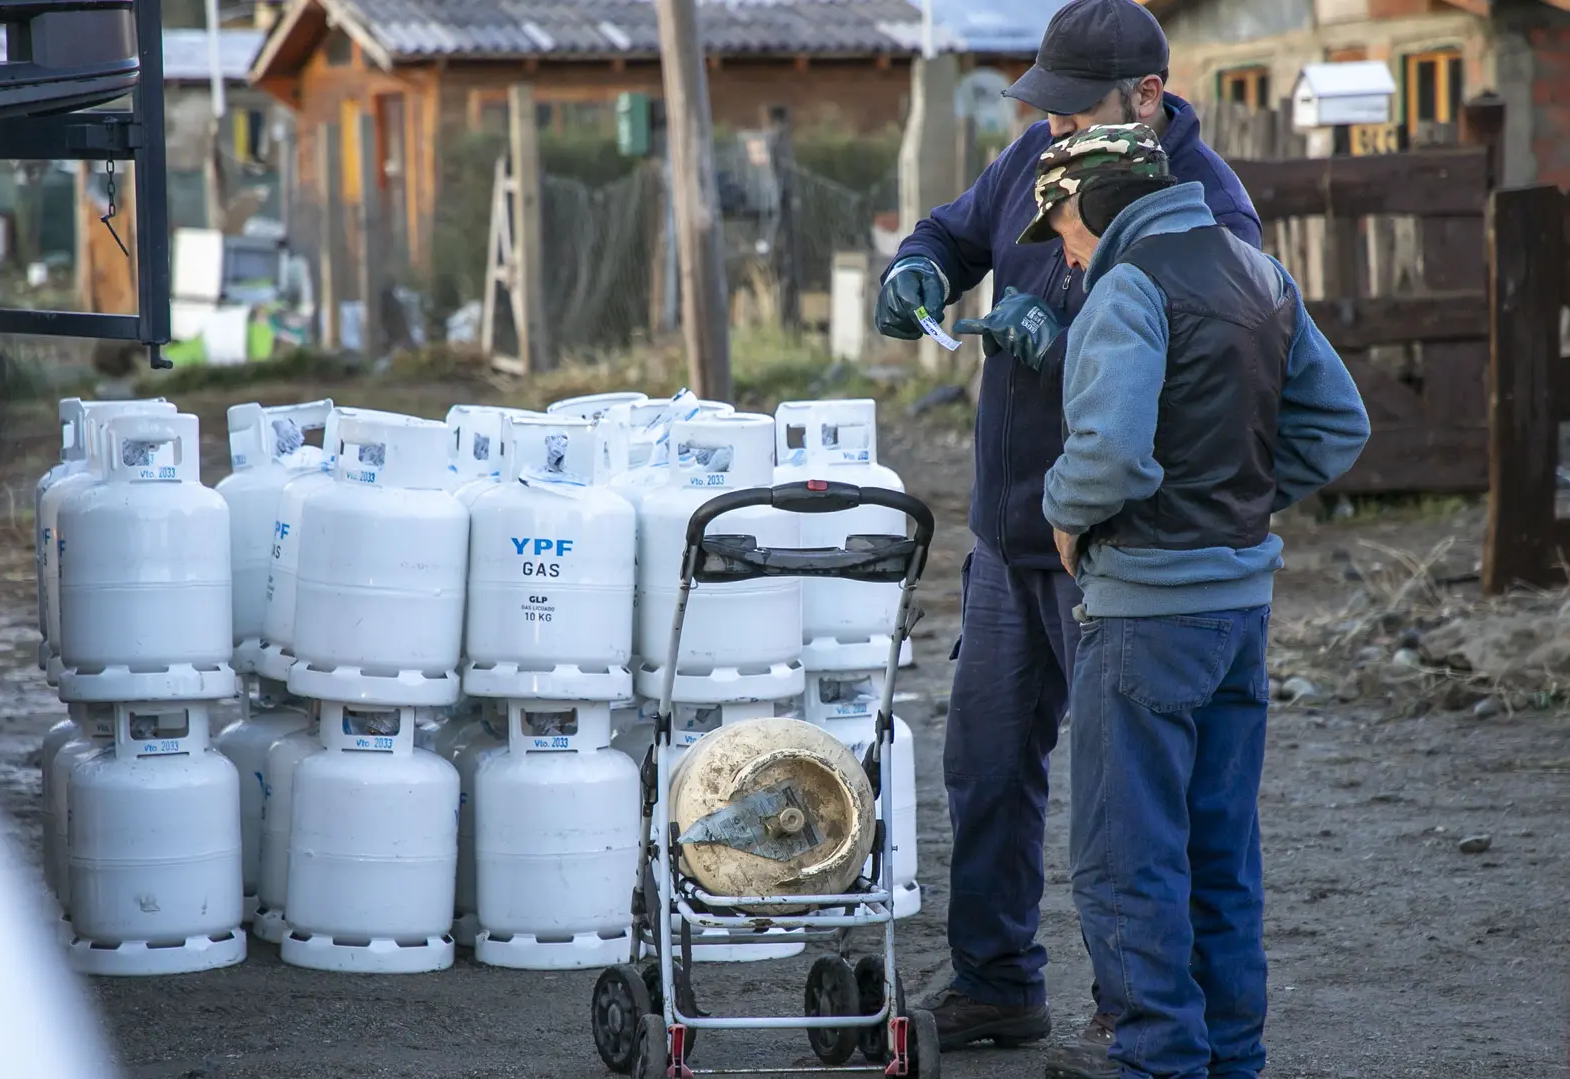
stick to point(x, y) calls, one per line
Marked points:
point(772, 807)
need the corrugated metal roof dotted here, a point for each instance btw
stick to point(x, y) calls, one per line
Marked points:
point(185, 54)
point(411, 29)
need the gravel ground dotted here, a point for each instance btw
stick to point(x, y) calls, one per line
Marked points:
point(1393, 953)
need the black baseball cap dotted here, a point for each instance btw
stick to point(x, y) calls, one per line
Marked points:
point(1088, 47)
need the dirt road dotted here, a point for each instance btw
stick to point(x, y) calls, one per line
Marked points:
point(1394, 955)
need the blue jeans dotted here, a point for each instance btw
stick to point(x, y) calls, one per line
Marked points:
point(1015, 659)
point(1168, 744)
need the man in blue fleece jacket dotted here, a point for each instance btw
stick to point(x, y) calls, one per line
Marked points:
point(1199, 398)
point(1101, 61)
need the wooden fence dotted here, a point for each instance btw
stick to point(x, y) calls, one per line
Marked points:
point(1389, 253)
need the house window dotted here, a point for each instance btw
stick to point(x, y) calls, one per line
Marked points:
point(339, 50)
point(1433, 88)
point(1246, 86)
point(588, 116)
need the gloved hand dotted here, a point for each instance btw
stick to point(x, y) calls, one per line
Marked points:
point(912, 283)
point(1021, 325)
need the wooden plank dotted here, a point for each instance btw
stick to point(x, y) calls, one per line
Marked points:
point(1422, 458)
point(528, 235)
point(1439, 182)
point(331, 257)
point(1455, 382)
point(1526, 286)
point(695, 193)
point(1387, 399)
point(1393, 320)
point(373, 231)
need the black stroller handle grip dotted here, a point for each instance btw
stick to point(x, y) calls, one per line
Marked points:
point(813, 496)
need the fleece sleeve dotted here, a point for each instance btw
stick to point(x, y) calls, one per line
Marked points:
point(1112, 377)
point(1322, 426)
point(957, 236)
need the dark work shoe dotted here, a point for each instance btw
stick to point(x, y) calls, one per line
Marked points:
point(1079, 1061)
point(1099, 1031)
point(962, 1021)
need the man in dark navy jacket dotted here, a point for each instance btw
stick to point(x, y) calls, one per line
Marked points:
point(1101, 61)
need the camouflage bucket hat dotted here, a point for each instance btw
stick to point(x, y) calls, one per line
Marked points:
point(1087, 158)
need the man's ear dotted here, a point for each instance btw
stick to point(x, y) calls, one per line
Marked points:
point(1148, 99)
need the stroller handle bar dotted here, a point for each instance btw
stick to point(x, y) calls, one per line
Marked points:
point(813, 496)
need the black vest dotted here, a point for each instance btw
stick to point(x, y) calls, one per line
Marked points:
point(1229, 336)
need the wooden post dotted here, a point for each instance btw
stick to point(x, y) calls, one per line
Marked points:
point(329, 163)
point(699, 230)
point(787, 267)
point(527, 228)
point(1526, 286)
point(373, 230)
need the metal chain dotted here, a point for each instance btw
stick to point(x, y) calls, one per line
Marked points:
point(106, 219)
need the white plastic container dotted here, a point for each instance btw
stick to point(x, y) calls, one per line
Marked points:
point(551, 574)
point(741, 640)
point(246, 743)
point(283, 761)
point(594, 405)
point(479, 739)
point(845, 703)
point(267, 449)
point(846, 625)
point(384, 553)
point(155, 848)
point(144, 572)
point(373, 848)
point(556, 848)
point(94, 728)
point(87, 433)
point(479, 445)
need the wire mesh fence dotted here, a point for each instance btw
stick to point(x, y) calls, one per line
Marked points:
point(609, 245)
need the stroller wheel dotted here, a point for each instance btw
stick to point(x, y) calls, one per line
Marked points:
point(654, 1051)
point(686, 1000)
point(927, 1062)
point(869, 987)
point(831, 990)
point(621, 1002)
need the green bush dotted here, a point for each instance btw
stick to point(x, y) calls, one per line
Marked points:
point(861, 162)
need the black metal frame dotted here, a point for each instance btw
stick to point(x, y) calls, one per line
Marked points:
point(138, 137)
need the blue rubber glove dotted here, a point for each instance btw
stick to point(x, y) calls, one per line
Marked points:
point(1021, 324)
point(912, 282)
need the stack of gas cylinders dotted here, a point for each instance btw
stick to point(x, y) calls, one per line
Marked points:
point(444, 640)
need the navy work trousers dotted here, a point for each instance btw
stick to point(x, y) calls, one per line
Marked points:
point(1168, 743)
point(1015, 661)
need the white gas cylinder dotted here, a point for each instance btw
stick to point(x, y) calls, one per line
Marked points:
point(556, 844)
point(846, 625)
point(94, 726)
point(283, 761)
point(592, 406)
point(145, 588)
point(373, 848)
point(155, 848)
point(479, 739)
point(73, 458)
point(634, 441)
point(478, 435)
point(246, 743)
point(740, 640)
point(86, 432)
point(845, 703)
point(384, 553)
point(267, 449)
point(551, 573)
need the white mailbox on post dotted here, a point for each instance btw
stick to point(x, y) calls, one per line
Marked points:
point(1334, 95)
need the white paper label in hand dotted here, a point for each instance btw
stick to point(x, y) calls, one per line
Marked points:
point(930, 327)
